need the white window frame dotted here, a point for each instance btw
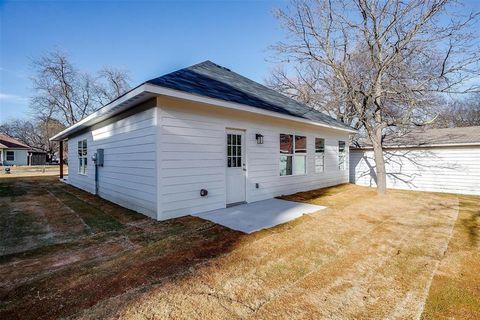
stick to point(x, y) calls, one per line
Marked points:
point(12, 153)
point(342, 156)
point(319, 157)
point(234, 150)
point(294, 155)
point(82, 149)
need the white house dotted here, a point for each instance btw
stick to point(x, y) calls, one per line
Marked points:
point(203, 138)
point(438, 160)
point(13, 152)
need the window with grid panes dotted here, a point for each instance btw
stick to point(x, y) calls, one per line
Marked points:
point(234, 150)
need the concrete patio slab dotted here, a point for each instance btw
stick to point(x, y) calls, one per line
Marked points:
point(255, 216)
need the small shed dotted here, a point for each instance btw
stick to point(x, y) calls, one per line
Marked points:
point(37, 157)
point(437, 160)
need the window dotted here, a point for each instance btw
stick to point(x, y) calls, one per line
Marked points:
point(82, 157)
point(319, 155)
point(293, 154)
point(342, 153)
point(234, 150)
point(10, 155)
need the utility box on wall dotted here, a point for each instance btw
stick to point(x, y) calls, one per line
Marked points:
point(99, 157)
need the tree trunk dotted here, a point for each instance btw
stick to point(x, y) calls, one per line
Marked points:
point(379, 162)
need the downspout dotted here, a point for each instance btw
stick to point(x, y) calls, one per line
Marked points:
point(61, 159)
point(98, 161)
point(96, 178)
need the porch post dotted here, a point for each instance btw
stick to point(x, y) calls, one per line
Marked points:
point(61, 159)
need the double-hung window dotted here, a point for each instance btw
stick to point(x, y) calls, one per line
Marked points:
point(10, 155)
point(82, 157)
point(319, 155)
point(293, 155)
point(342, 155)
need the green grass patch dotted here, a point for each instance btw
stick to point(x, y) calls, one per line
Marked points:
point(96, 219)
point(18, 228)
point(9, 190)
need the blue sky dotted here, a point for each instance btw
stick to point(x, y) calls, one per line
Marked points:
point(146, 38)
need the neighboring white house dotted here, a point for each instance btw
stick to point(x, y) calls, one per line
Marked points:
point(438, 160)
point(203, 138)
point(13, 152)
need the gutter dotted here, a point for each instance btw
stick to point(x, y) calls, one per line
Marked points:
point(439, 145)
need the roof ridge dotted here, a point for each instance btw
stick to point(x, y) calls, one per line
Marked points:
point(213, 80)
point(262, 85)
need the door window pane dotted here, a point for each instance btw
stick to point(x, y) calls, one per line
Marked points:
point(234, 150)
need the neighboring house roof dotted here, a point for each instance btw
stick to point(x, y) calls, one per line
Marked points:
point(214, 81)
point(210, 83)
point(431, 138)
point(7, 142)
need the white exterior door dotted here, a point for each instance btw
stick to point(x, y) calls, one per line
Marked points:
point(236, 167)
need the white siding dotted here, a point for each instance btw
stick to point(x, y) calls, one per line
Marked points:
point(128, 176)
point(193, 157)
point(448, 169)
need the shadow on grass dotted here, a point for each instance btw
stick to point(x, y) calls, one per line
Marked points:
point(470, 206)
point(96, 219)
point(123, 251)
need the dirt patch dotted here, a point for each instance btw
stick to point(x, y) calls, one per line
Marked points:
point(367, 257)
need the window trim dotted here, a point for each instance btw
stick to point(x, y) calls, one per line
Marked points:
point(82, 167)
point(319, 154)
point(235, 147)
point(12, 153)
point(303, 154)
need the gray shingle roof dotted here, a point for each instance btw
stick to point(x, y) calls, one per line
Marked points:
point(433, 137)
point(214, 81)
point(9, 142)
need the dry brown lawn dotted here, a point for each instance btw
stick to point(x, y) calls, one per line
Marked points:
point(32, 171)
point(65, 253)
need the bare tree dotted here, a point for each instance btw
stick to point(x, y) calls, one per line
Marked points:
point(459, 113)
point(35, 134)
point(65, 93)
point(383, 62)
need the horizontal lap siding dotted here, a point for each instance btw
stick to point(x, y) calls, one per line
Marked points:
point(193, 158)
point(20, 157)
point(450, 169)
point(128, 176)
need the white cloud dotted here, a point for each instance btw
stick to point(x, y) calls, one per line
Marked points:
point(12, 98)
